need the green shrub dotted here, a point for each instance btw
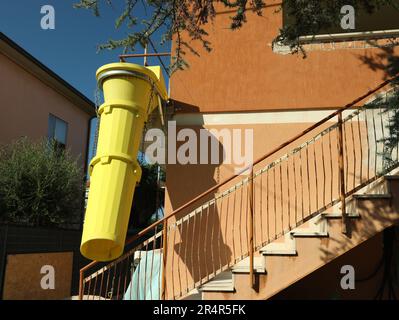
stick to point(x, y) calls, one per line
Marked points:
point(40, 184)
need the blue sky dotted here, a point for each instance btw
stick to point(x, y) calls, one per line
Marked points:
point(71, 49)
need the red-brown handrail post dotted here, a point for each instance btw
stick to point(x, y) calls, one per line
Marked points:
point(341, 172)
point(251, 229)
point(81, 284)
point(81, 277)
point(164, 254)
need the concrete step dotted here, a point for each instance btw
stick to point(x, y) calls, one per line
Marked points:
point(317, 227)
point(285, 248)
point(243, 265)
point(373, 196)
point(223, 282)
point(195, 294)
point(336, 211)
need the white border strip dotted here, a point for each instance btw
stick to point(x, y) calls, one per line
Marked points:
point(350, 35)
point(248, 118)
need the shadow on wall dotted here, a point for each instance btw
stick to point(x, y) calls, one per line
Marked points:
point(198, 246)
point(386, 60)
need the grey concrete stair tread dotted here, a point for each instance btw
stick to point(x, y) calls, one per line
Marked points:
point(285, 248)
point(373, 196)
point(317, 227)
point(309, 234)
point(223, 282)
point(193, 295)
point(337, 215)
point(243, 266)
point(277, 252)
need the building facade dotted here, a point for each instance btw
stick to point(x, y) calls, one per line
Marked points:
point(37, 103)
point(248, 81)
point(315, 214)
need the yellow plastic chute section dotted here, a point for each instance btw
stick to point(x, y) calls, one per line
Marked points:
point(131, 92)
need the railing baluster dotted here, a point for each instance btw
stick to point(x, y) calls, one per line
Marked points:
point(354, 154)
point(179, 255)
point(113, 280)
point(106, 286)
point(95, 286)
point(241, 210)
point(367, 144)
point(173, 229)
point(281, 196)
point(226, 232)
point(88, 290)
point(233, 225)
point(275, 202)
point(308, 176)
point(341, 173)
point(164, 258)
point(375, 143)
point(126, 275)
point(101, 285)
point(288, 194)
point(145, 270)
point(152, 260)
point(361, 148)
point(267, 206)
point(383, 140)
point(206, 242)
point(295, 190)
point(192, 248)
point(302, 187)
point(219, 237)
point(132, 269)
point(346, 163)
point(119, 281)
point(197, 226)
point(186, 258)
point(331, 166)
point(254, 207)
point(138, 268)
point(212, 234)
point(324, 171)
point(251, 229)
point(260, 208)
point(315, 174)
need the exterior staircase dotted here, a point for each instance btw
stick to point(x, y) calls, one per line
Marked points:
point(305, 203)
point(298, 252)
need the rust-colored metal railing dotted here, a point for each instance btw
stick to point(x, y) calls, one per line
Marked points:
point(232, 220)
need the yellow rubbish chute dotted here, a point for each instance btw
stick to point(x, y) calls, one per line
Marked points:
point(131, 92)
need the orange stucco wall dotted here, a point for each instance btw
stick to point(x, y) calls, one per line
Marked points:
point(243, 73)
point(26, 103)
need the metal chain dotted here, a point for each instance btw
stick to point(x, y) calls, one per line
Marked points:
point(145, 123)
